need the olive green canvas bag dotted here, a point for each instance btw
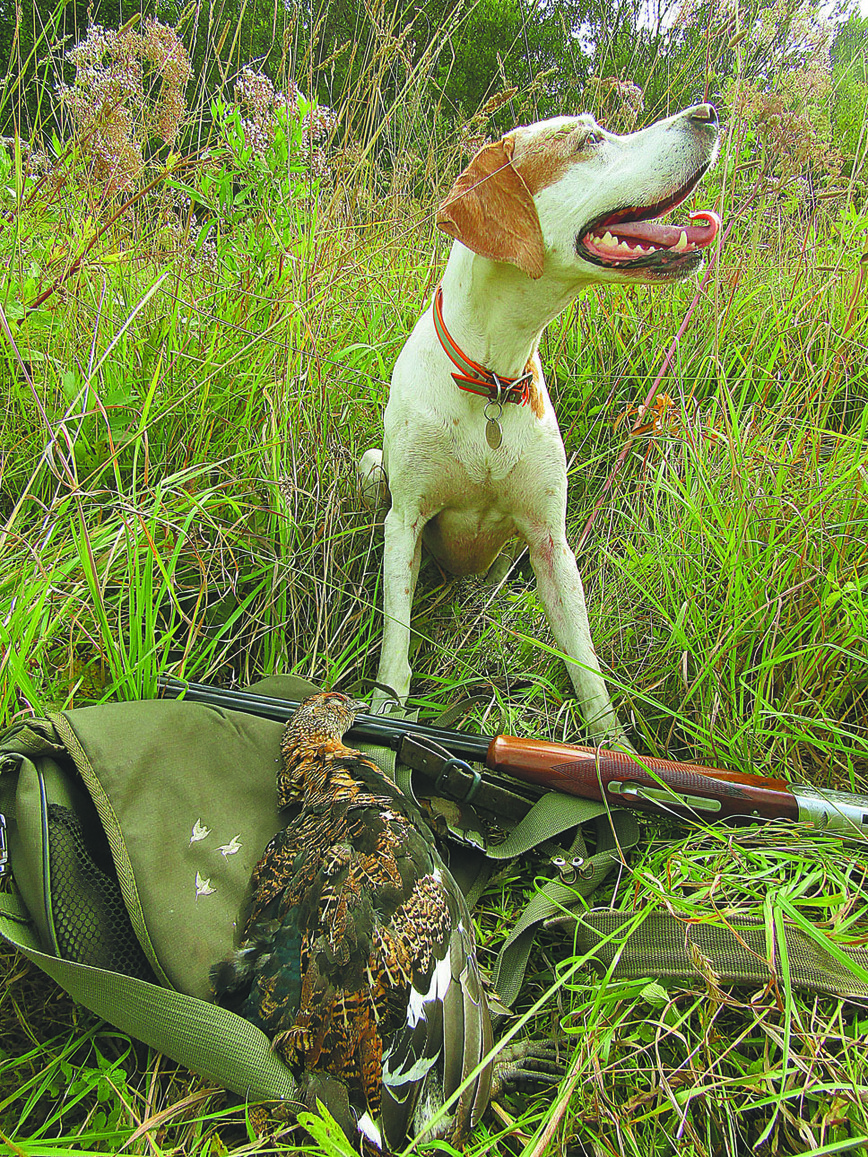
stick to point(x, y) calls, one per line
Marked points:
point(132, 830)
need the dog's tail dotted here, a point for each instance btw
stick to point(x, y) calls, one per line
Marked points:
point(373, 483)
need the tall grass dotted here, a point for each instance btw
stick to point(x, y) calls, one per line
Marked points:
point(183, 414)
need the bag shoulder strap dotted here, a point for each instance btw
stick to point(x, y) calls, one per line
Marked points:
point(580, 875)
point(205, 1037)
point(744, 949)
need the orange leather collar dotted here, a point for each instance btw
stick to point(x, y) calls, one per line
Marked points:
point(474, 378)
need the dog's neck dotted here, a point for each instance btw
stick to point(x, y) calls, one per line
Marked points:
point(496, 313)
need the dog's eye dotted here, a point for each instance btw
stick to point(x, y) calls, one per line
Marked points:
point(591, 138)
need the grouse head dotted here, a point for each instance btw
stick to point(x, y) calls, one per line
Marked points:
point(314, 731)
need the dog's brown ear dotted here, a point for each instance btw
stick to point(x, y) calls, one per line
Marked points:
point(490, 210)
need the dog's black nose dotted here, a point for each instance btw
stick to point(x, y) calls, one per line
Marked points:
point(706, 113)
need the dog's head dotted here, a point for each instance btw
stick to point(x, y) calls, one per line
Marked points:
point(565, 197)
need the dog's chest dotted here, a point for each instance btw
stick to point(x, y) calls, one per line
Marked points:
point(484, 462)
point(456, 467)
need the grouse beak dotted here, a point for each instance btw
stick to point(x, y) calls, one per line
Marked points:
point(358, 706)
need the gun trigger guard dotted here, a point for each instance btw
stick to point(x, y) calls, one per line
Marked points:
point(462, 765)
point(434, 762)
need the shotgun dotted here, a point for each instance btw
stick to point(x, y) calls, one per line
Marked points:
point(658, 786)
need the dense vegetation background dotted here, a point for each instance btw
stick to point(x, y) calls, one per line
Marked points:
point(676, 50)
point(216, 230)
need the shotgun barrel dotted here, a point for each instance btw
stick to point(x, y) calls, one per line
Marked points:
point(385, 729)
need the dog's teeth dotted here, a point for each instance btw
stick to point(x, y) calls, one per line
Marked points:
point(625, 247)
point(682, 243)
point(639, 249)
point(608, 239)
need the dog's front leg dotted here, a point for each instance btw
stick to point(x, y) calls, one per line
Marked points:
point(402, 552)
point(562, 594)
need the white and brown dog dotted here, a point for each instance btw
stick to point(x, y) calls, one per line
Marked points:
point(472, 450)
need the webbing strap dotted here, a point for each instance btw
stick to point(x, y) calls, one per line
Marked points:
point(740, 949)
point(206, 1038)
point(616, 833)
point(551, 815)
point(386, 758)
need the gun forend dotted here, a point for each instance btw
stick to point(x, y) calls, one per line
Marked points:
point(663, 786)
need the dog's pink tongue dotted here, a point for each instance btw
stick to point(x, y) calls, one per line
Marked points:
point(666, 236)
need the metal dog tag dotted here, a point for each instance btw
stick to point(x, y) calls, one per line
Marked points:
point(491, 413)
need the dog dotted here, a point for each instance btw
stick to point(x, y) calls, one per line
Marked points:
point(472, 454)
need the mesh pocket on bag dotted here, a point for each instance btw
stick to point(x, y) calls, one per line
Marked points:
point(90, 918)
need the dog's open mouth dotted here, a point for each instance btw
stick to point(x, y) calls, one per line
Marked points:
point(630, 238)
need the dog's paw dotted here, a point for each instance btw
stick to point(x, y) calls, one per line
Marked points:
point(500, 569)
point(385, 702)
point(620, 742)
point(613, 739)
point(604, 729)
